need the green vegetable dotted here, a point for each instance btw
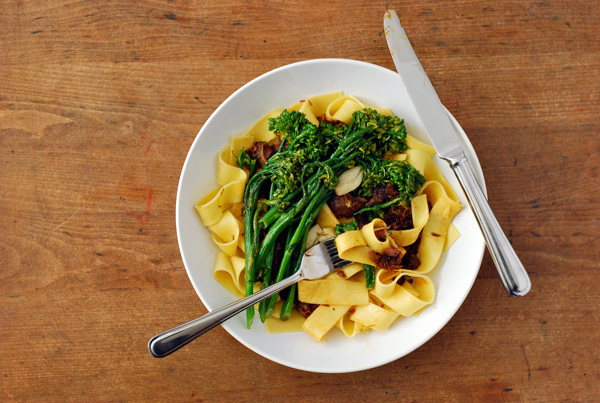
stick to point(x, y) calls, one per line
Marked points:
point(345, 227)
point(243, 159)
point(405, 177)
point(389, 131)
point(266, 281)
point(369, 275)
point(300, 178)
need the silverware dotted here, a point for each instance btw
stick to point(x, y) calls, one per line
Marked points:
point(317, 262)
point(442, 135)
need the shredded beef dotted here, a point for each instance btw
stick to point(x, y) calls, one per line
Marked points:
point(324, 118)
point(362, 220)
point(385, 261)
point(261, 151)
point(411, 260)
point(346, 205)
point(383, 193)
point(390, 259)
point(398, 217)
point(392, 252)
point(381, 233)
point(305, 309)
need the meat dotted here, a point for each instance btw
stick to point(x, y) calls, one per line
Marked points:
point(261, 152)
point(392, 259)
point(386, 260)
point(398, 217)
point(346, 205)
point(411, 260)
point(383, 193)
point(392, 252)
point(305, 309)
point(381, 233)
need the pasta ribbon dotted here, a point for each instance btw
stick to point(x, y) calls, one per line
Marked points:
point(369, 233)
point(260, 130)
point(210, 207)
point(320, 103)
point(345, 272)
point(433, 190)
point(350, 327)
point(236, 210)
point(423, 162)
point(226, 233)
point(305, 108)
point(352, 246)
point(326, 218)
point(407, 299)
point(414, 144)
point(323, 319)
point(385, 282)
point(292, 324)
point(230, 276)
point(374, 317)
point(333, 292)
point(451, 237)
point(232, 181)
point(342, 108)
point(231, 176)
point(420, 216)
point(434, 233)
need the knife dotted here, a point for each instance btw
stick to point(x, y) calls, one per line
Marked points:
point(442, 135)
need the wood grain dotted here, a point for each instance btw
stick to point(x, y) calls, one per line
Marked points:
point(100, 102)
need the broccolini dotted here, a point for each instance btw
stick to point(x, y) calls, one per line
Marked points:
point(300, 178)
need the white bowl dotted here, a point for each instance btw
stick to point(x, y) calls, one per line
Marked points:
point(280, 88)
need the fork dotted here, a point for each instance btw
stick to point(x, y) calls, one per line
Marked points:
point(317, 262)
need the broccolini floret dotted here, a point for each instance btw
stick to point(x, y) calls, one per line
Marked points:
point(345, 227)
point(404, 176)
point(244, 159)
point(289, 125)
point(389, 131)
point(304, 149)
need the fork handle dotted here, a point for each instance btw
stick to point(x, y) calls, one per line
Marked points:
point(172, 340)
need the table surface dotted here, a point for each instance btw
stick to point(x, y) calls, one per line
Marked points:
point(100, 102)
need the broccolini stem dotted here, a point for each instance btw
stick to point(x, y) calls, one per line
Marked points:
point(266, 280)
point(274, 231)
point(381, 206)
point(369, 275)
point(250, 254)
point(273, 213)
point(288, 304)
point(315, 204)
point(282, 222)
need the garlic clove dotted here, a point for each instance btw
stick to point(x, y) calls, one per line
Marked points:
point(349, 180)
point(313, 235)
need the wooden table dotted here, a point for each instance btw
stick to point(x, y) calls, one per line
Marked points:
point(100, 102)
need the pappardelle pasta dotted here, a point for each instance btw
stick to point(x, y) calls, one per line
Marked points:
point(330, 167)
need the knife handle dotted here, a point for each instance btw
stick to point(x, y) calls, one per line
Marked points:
point(511, 270)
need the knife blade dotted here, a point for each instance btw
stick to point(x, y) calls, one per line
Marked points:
point(443, 137)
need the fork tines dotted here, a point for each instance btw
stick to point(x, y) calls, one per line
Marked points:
point(332, 251)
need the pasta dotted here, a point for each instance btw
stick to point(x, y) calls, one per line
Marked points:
point(343, 299)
